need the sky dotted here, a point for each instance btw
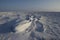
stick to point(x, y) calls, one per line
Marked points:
point(36, 5)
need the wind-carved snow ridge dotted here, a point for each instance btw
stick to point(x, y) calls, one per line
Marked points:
point(23, 27)
point(26, 25)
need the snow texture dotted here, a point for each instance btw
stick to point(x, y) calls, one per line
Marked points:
point(29, 25)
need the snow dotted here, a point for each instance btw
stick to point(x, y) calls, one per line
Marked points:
point(50, 22)
point(23, 27)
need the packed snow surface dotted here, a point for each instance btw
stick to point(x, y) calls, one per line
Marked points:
point(23, 27)
point(29, 25)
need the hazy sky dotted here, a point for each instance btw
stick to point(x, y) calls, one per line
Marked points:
point(39, 5)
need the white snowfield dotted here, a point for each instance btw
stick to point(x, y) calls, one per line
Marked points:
point(23, 26)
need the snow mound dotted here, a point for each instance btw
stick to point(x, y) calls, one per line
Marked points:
point(22, 27)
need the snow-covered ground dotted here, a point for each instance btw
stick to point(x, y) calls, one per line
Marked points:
point(14, 26)
point(23, 26)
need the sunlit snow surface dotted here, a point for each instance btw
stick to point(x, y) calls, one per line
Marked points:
point(23, 27)
point(14, 26)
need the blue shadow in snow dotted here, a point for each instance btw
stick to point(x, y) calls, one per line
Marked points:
point(39, 27)
point(8, 26)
